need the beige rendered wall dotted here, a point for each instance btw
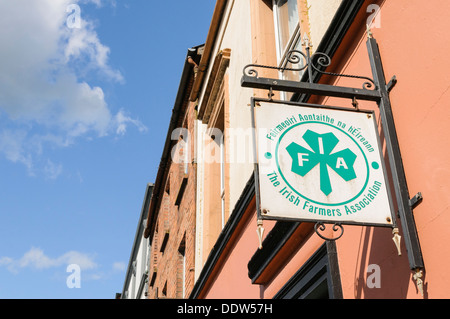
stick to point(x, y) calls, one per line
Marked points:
point(319, 13)
point(234, 33)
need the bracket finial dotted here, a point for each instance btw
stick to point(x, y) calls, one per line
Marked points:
point(260, 232)
point(355, 103)
point(306, 42)
point(397, 238)
point(270, 94)
point(369, 32)
point(418, 278)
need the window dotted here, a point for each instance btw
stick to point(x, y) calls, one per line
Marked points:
point(219, 131)
point(287, 23)
point(164, 291)
point(287, 32)
point(317, 279)
point(133, 280)
point(147, 262)
point(181, 280)
point(145, 244)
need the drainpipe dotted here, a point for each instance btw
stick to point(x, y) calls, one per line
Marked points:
point(219, 10)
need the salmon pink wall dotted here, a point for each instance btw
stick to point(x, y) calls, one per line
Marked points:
point(414, 45)
point(231, 280)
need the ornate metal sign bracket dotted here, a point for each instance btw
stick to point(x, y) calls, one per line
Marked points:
point(320, 227)
point(373, 89)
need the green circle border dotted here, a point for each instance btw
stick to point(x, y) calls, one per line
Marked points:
point(304, 197)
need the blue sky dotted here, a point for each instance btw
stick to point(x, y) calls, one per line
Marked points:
point(84, 111)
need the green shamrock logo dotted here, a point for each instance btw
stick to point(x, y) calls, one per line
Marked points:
point(303, 160)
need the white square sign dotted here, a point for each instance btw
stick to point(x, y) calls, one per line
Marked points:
point(321, 165)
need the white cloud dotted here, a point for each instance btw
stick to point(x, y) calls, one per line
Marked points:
point(6, 261)
point(35, 258)
point(83, 260)
point(84, 43)
point(12, 146)
point(43, 95)
point(121, 120)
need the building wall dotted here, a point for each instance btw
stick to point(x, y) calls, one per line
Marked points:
point(137, 269)
point(178, 221)
point(419, 102)
point(416, 55)
point(141, 269)
point(131, 290)
point(319, 14)
point(235, 21)
point(248, 30)
point(225, 283)
point(235, 34)
point(413, 45)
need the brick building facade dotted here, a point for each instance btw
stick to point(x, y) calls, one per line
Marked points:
point(171, 222)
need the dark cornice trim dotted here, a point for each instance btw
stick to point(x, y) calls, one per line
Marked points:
point(272, 244)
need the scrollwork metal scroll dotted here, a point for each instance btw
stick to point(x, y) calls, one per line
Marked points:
point(320, 227)
point(294, 57)
point(300, 61)
point(323, 60)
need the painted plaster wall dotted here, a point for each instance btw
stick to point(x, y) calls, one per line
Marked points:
point(320, 13)
point(234, 272)
point(238, 32)
point(234, 33)
point(414, 44)
point(231, 281)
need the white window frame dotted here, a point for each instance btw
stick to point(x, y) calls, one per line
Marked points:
point(294, 42)
point(222, 176)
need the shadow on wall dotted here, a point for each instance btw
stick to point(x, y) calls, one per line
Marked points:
point(381, 273)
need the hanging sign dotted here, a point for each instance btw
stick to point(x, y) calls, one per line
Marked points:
point(320, 164)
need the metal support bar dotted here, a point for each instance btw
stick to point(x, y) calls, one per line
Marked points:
point(415, 200)
point(391, 83)
point(411, 238)
point(309, 88)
